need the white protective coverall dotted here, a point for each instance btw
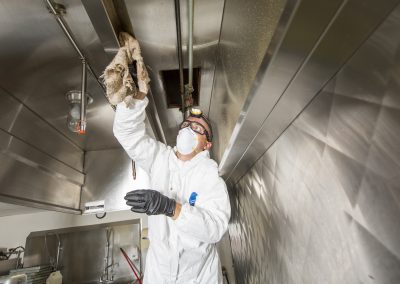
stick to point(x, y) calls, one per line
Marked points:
point(181, 250)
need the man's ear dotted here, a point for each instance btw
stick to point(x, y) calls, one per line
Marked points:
point(208, 145)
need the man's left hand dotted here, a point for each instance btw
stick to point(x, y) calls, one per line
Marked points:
point(150, 202)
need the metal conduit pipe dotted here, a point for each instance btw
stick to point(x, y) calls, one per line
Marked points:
point(64, 27)
point(189, 86)
point(85, 64)
point(190, 45)
point(179, 49)
point(82, 124)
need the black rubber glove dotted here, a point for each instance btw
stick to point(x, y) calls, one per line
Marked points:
point(150, 202)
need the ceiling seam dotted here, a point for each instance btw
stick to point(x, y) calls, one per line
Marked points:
point(40, 150)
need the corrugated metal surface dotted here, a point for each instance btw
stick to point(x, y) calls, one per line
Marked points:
point(322, 205)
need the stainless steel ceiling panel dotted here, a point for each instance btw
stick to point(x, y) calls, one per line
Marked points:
point(104, 23)
point(154, 26)
point(246, 32)
point(21, 181)
point(7, 209)
point(24, 153)
point(322, 63)
point(82, 28)
point(104, 19)
point(27, 126)
point(33, 178)
point(32, 204)
point(39, 66)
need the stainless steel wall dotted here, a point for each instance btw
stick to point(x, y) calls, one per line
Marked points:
point(322, 204)
point(39, 167)
point(41, 160)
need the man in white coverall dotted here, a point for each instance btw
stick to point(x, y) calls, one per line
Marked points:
point(188, 204)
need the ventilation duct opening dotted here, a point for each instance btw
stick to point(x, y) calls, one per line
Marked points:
point(170, 79)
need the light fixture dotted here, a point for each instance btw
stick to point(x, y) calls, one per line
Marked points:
point(74, 114)
point(75, 124)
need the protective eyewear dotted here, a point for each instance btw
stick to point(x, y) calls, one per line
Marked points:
point(196, 127)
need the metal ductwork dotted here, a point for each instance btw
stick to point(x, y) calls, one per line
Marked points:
point(109, 18)
point(302, 94)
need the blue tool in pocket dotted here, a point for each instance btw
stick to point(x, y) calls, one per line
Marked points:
point(192, 198)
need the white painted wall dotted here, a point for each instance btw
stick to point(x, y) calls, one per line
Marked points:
point(15, 229)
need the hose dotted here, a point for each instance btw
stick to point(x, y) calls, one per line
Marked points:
point(130, 264)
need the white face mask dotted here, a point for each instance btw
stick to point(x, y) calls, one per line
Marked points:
point(186, 141)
